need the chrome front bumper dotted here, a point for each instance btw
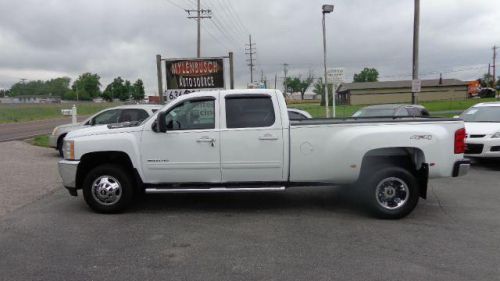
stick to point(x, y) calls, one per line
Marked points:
point(461, 168)
point(67, 171)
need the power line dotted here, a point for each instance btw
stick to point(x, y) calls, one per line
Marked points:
point(215, 38)
point(238, 19)
point(175, 4)
point(227, 21)
point(221, 29)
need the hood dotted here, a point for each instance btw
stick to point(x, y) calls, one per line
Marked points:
point(102, 130)
point(69, 127)
point(482, 128)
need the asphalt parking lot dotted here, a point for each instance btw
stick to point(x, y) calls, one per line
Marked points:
point(304, 233)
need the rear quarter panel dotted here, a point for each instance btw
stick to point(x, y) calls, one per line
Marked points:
point(334, 152)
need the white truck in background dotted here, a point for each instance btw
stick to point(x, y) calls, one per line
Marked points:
point(242, 140)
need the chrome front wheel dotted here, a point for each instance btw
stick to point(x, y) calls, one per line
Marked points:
point(106, 190)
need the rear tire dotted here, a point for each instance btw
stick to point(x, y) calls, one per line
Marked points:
point(108, 189)
point(391, 192)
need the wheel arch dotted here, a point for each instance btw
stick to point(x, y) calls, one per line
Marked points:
point(410, 158)
point(91, 160)
point(60, 140)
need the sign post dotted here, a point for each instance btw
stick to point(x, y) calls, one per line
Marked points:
point(416, 86)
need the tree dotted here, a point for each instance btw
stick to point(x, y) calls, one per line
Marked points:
point(296, 84)
point(138, 93)
point(128, 91)
point(58, 87)
point(108, 93)
point(366, 75)
point(4, 93)
point(319, 90)
point(87, 86)
point(117, 89)
point(487, 80)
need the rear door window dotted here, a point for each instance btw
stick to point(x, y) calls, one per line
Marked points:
point(249, 112)
point(133, 114)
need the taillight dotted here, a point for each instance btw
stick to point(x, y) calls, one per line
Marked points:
point(460, 141)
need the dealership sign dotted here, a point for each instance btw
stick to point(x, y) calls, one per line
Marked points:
point(190, 75)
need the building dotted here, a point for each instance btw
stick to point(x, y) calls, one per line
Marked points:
point(400, 91)
point(31, 99)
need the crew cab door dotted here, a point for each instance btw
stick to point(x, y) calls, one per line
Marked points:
point(251, 139)
point(189, 151)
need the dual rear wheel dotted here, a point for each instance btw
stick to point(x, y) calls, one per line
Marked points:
point(390, 192)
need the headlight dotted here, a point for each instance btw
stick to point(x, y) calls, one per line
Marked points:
point(496, 135)
point(54, 131)
point(69, 150)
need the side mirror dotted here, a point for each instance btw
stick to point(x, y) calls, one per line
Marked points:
point(160, 121)
point(92, 122)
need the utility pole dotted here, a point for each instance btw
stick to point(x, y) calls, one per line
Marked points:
point(285, 70)
point(275, 80)
point(200, 14)
point(494, 63)
point(250, 51)
point(231, 70)
point(416, 26)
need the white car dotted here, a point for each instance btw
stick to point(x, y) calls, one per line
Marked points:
point(124, 113)
point(482, 124)
point(243, 141)
point(297, 114)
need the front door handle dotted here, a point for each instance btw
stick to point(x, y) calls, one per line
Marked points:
point(268, 137)
point(207, 139)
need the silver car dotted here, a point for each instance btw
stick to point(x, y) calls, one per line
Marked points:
point(124, 113)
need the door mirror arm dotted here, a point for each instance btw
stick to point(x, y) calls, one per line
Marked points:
point(161, 125)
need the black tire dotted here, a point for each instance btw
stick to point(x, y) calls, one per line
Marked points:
point(395, 180)
point(60, 145)
point(110, 175)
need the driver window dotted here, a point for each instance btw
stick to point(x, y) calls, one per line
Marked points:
point(107, 117)
point(192, 115)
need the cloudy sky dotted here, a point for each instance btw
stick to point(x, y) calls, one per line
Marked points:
point(51, 38)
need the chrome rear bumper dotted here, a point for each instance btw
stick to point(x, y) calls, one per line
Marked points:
point(461, 168)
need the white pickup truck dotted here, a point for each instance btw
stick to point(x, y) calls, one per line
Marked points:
point(242, 140)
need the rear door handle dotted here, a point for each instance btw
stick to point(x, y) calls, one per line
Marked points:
point(268, 137)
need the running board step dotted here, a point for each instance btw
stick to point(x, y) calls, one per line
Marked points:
point(214, 189)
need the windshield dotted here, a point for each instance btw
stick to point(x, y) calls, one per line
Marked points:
point(482, 114)
point(367, 112)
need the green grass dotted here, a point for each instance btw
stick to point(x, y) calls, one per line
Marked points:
point(42, 141)
point(343, 111)
point(11, 113)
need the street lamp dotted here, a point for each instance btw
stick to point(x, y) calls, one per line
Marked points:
point(326, 10)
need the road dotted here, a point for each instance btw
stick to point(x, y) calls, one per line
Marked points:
point(25, 130)
point(305, 233)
